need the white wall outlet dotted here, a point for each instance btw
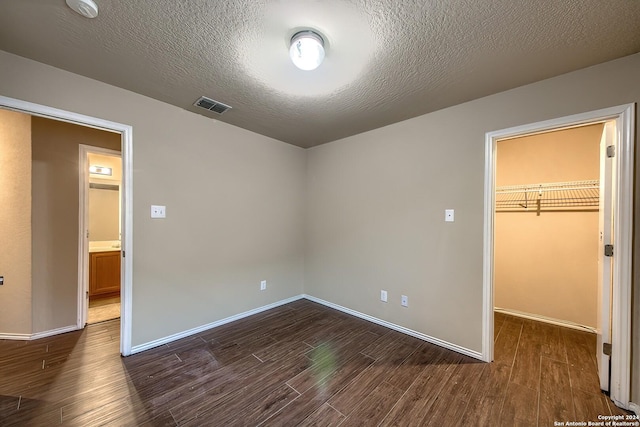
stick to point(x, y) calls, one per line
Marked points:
point(158, 211)
point(448, 215)
point(404, 300)
point(263, 285)
point(383, 296)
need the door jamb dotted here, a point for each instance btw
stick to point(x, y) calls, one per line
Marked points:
point(126, 131)
point(83, 221)
point(623, 219)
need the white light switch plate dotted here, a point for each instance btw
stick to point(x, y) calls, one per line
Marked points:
point(158, 211)
point(448, 215)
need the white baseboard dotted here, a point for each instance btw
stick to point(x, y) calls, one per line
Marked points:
point(189, 332)
point(540, 318)
point(16, 337)
point(635, 408)
point(407, 331)
point(38, 335)
point(57, 331)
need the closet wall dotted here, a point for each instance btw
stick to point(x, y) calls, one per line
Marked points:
point(546, 262)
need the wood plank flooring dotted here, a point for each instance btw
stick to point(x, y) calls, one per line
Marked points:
point(301, 364)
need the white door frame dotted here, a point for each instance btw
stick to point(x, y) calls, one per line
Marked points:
point(605, 263)
point(127, 195)
point(83, 221)
point(624, 116)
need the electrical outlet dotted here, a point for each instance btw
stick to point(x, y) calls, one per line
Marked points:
point(383, 296)
point(1, 280)
point(449, 215)
point(158, 211)
point(263, 285)
point(404, 300)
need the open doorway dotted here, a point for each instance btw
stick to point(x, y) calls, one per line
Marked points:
point(546, 226)
point(100, 214)
point(621, 187)
point(45, 322)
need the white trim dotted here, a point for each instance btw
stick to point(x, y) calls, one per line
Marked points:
point(487, 252)
point(126, 242)
point(126, 132)
point(15, 337)
point(38, 335)
point(407, 331)
point(83, 225)
point(621, 314)
point(635, 408)
point(83, 261)
point(52, 332)
point(622, 260)
point(545, 319)
point(192, 331)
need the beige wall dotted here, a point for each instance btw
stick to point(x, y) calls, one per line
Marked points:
point(55, 225)
point(548, 264)
point(376, 205)
point(235, 203)
point(15, 222)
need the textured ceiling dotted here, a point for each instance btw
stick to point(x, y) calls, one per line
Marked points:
point(386, 60)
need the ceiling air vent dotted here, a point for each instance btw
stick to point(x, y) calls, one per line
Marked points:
point(211, 105)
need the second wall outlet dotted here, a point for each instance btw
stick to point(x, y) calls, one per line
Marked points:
point(404, 300)
point(263, 285)
point(383, 296)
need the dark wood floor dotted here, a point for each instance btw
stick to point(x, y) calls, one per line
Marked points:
point(301, 364)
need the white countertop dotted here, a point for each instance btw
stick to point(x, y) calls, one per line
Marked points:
point(104, 246)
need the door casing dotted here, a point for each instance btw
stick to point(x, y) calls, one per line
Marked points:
point(83, 220)
point(126, 132)
point(623, 218)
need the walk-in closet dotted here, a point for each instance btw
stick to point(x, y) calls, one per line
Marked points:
point(546, 226)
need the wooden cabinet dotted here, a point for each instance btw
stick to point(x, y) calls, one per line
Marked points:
point(104, 273)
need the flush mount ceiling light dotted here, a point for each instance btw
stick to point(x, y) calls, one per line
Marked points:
point(307, 50)
point(86, 8)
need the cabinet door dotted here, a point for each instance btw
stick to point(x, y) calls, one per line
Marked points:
point(104, 273)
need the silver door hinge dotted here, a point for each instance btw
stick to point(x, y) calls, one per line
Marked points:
point(606, 348)
point(608, 250)
point(122, 254)
point(611, 151)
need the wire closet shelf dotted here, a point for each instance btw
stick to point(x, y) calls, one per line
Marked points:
point(550, 196)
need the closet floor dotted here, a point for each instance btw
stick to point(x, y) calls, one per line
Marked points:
point(550, 373)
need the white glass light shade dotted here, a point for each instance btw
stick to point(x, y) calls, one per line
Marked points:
point(307, 50)
point(100, 170)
